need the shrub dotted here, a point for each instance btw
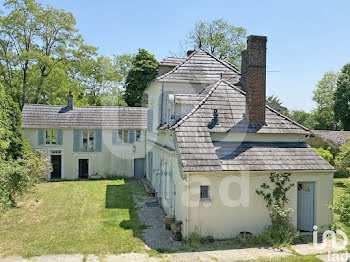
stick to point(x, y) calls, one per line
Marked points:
point(281, 232)
point(18, 176)
point(342, 160)
point(325, 153)
point(342, 205)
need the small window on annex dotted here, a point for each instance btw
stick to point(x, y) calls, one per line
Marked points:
point(51, 137)
point(204, 193)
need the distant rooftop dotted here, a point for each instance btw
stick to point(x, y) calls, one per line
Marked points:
point(335, 138)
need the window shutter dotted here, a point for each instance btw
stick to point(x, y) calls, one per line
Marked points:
point(114, 137)
point(98, 140)
point(59, 134)
point(41, 137)
point(132, 135)
point(150, 120)
point(76, 140)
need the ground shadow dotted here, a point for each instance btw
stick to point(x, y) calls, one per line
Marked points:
point(121, 197)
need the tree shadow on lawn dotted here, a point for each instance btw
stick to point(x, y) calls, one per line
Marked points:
point(121, 197)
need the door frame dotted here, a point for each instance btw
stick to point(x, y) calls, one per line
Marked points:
point(89, 164)
point(62, 160)
point(314, 201)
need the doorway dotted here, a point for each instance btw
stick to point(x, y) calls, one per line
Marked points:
point(83, 169)
point(139, 168)
point(56, 162)
point(306, 206)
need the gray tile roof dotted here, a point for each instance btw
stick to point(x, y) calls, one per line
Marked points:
point(199, 154)
point(335, 138)
point(257, 156)
point(172, 61)
point(201, 67)
point(50, 116)
point(230, 102)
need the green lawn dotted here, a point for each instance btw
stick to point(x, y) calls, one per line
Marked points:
point(338, 189)
point(87, 217)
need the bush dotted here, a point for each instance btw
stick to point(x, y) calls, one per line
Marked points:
point(342, 161)
point(325, 153)
point(342, 205)
point(18, 176)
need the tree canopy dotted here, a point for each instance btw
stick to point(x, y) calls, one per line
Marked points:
point(143, 70)
point(221, 39)
point(342, 98)
point(42, 56)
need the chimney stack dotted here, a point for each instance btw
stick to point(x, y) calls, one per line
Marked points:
point(190, 52)
point(255, 79)
point(70, 100)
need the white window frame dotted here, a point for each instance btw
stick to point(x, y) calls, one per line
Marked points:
point(140, 137)
point(88, 141)
point(200, 191)
point(51, 132)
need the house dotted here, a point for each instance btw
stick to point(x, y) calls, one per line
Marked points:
point(321, 138)
point(83, 142)
point(212, 141)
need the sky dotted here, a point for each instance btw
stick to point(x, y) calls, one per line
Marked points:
point(305, 38)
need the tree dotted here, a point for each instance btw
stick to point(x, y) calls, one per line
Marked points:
point(300, 116)
point(274, 100)
point(143, 70)
point(42, 56)
point(219, 38)
point(122, 64)
point(324, 97)
point(12, 144)
point(114, 97)
point(342, 98)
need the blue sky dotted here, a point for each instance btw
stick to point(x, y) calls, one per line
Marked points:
point(305, 38)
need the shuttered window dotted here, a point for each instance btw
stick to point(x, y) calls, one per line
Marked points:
point(98, 140)
point(114, 137)
point(50, 137)
point(76, 140)
point(132, 135)
point(204, 193)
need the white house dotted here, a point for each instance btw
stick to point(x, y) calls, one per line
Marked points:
point(85, 141)
point(212, 141)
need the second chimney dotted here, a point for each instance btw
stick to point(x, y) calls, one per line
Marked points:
point(70, 100)
point(255, 79)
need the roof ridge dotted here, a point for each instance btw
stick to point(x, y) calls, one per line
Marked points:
point(220, 61)
point(188, 115)
point(176, 67)
point(126, 107)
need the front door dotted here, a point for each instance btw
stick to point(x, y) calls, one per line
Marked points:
point(83, 168)
point(56, 162)
point(306, 206)
point(139, 168)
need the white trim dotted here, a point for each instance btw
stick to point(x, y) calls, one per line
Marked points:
point(89, 165)
point(51, 132)
point(62, 161)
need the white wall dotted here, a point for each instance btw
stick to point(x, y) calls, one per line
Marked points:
point(113, 160)
point(218, 219)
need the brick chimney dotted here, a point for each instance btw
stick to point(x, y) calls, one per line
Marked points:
point(70, 100)
point(255, 79)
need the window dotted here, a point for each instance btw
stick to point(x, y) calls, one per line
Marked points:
point(51, 137)
point(123, 136)
point(204, 193)
point(138, 135)
point(88, 140)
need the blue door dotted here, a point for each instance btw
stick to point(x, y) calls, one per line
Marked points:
point(306, 206)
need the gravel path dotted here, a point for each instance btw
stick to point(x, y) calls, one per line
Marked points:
point(155, 235)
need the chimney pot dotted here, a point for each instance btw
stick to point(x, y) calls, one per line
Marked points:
point(70, 100)
point(255, 79)
point(190, 52)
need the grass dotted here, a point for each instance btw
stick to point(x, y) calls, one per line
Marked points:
point(337, 191)
point(87, 217)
